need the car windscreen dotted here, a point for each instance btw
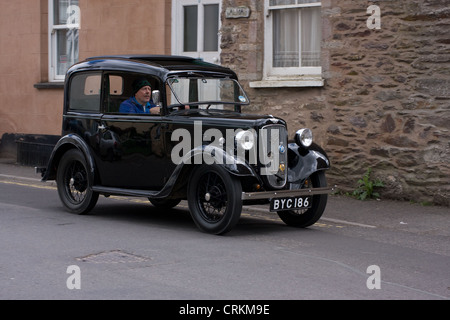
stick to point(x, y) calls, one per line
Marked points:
point(205, 92)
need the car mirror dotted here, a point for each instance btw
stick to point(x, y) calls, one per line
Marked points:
point(156, 97)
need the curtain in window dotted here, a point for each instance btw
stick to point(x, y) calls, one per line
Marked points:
point(66, 13)
point(281, 2)
point(296, 37)
point(311, 37)
point(285, 38)
point(289, 2)
point(72, 46)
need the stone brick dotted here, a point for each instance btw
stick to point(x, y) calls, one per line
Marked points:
point(337, 142)
point(401, 141)
point(358, 122)
point(434, 87)
point(409, 126)
point(388, 125)
point(388, 95)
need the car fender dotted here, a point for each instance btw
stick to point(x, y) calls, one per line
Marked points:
point(204, 155)
point(209, 154)
point(64, 144)
point(304, 162)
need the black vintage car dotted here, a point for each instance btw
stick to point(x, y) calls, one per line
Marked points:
point(200, 147)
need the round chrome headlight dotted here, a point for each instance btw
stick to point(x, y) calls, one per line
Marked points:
point(304, 138)
point(245, 139)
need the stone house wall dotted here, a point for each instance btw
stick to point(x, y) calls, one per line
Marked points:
point(386, 99)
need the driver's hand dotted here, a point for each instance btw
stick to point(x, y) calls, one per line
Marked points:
point(155, 110)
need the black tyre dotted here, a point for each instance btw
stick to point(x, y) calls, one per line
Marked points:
point(214, 198)
point(307, 217)
point(165, 203)
point(74, 183)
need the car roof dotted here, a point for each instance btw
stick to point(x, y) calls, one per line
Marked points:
point(165, 63)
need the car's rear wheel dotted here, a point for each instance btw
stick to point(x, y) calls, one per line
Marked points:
point(74, 183)
point(214, 199)
point(307, 217)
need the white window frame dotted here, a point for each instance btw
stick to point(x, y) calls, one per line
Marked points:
point(178, 31)
point(285, 76)
point(52, 43)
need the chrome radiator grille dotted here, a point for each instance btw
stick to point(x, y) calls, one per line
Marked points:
point(273, 155)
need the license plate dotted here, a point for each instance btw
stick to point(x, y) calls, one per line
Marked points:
point(296, 203)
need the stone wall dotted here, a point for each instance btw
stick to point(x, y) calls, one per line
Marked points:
point(386, 100)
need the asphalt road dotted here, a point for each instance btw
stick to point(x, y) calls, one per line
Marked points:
point(127, 249)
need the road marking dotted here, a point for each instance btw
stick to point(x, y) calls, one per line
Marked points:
point(349, 223)
point(45, 185)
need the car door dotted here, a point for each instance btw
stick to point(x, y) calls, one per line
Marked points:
point(131, 150)
point(83, 115)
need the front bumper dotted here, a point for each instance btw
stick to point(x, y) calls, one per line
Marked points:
point(286, 193)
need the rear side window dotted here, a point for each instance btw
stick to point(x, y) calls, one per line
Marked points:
point(85, 92)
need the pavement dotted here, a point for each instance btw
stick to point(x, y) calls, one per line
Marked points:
point(344, 210)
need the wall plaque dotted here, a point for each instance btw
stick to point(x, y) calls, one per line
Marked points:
point(237, 12)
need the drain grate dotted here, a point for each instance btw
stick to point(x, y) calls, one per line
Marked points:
point(114, 256)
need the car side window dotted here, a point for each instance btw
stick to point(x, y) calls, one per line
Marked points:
point(119, 88)
point(85, 92)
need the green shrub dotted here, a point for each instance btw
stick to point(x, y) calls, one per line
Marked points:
point(366, 186)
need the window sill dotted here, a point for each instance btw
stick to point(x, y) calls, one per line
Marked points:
point(49, 85)
point(307, 81)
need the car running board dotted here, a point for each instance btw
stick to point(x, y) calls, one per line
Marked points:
point(108, 191)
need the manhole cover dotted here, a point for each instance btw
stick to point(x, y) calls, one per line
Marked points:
point(115, 256)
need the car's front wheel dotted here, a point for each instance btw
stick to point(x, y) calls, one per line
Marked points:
point(307, 217)
point(214, 198)
point(74, 183)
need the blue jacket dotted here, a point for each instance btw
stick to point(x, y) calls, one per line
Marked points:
point(132, 106)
